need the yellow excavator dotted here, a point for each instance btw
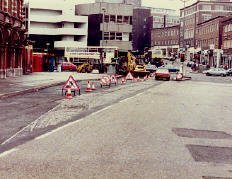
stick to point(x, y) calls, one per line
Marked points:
point(137, 70)
point(84, 68)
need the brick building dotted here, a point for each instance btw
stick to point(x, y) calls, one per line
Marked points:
point(11, 38)
point(197, 13)
point(227, 41)
point(166, 39)
point(208, 34)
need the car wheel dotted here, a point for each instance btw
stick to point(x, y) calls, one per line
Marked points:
point(168, 79)
point(207, 74)
point(156, 78)
point(223, 75)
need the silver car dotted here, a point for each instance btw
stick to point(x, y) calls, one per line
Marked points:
point(216, 72)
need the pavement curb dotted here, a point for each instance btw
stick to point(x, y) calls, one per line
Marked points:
point(35, 89)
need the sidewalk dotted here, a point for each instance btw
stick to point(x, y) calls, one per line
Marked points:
point(13, 86)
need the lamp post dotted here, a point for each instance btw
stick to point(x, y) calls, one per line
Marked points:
point(102, 52)
point(183, 43)
point(103, 23)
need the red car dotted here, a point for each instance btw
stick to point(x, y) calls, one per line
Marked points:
point(162, 73)
point(68, 66)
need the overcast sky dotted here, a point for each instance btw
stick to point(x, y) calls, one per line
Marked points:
point(169, 4)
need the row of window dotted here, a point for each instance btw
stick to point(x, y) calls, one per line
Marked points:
point(227, 44)
point(118, 19)
point(166, 42)
point(168, 33)
point(206, 42)
point(122, 36)
point(206, 7)
point(168, 19)
point(13, 7)
point(228, 28)
point(207, 29)
point(188, 34)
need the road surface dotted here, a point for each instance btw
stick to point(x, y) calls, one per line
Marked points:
point(170, 130)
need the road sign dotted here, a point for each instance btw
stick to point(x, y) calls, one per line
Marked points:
point(105, 81)
point(71, 84)
point(129, 76)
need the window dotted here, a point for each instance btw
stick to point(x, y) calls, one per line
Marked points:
point(126, 20)
point(219, 7)
point(1, 4)
point(106, 18)
point(10, 6)
point(119, 19)
point(112, 35)
point(118, 36)
point(112, 18)
point(206, 17)
point(106, 36)
point(206, 7)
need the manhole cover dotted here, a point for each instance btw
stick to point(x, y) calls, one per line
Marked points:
point(211, 154)
point(195, 133)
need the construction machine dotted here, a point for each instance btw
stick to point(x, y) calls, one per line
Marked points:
point(84, 68)
point(133, 65)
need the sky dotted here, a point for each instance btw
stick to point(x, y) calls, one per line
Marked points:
point(169, 4)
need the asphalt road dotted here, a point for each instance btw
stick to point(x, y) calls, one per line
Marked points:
point(18, 113)
point(170, 130)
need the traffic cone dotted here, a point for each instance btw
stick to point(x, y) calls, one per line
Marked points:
point(123, 81)
point(138, 79)
point(88, 89)
point(145, 78)
point(93, 87)
point(68, 93)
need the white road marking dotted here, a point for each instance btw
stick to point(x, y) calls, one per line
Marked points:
point(8, 152)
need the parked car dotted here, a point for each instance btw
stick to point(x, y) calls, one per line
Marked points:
point(215, 72)
point(151, 68)
point(162, 73)
point(229, 72)
point(68, 66)
point(170, 68)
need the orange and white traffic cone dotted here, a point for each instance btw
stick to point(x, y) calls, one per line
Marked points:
point(93, 87)
point(123, 81)
point(88, 89)
point(145, 78)
point(68, 93)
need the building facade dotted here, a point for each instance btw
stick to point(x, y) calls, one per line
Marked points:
point(164, 17)
point(12, 38)
point(114, 30)
point(208, 34)
point(141, 29)
point(197, 13)
point(54, 26)
point(166, 39)
point(227, 42)
point(135, 3)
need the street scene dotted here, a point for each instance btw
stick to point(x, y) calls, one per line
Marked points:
point(115, 89)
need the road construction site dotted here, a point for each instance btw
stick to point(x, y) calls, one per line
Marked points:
point(41, 111)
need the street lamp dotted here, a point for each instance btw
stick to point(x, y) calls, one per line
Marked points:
point(103, 23)
point(183, 33)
